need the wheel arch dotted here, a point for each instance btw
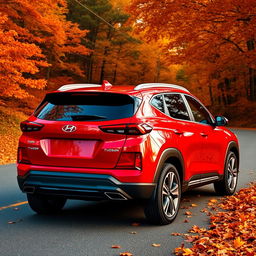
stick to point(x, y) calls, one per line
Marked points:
point(172, 156)
point(233, 147)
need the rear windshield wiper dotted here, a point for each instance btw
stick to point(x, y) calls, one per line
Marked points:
point(86, 117)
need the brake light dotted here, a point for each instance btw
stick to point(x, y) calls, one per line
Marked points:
point(27, 126)
point(23, 156)
point(127, 129)
point(130, 161)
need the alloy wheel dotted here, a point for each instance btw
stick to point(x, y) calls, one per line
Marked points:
point(232, 173)
point(170, 194)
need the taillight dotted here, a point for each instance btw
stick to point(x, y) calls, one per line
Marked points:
point(23, 156)
point(127, 129)
point(27, 126)
point(130, 161)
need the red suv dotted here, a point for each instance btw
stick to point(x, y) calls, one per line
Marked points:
point(98, 142)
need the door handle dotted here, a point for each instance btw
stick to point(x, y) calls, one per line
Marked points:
point(177, 132)
point(203, 134)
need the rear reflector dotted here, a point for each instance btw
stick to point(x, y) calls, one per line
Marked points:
point(127, 129)
point(27, 126)
point(23, 156)
point(130, 161)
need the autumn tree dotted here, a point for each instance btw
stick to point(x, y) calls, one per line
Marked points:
point(44, 28)
point(16, 59)
point(107, 36)
point(218, 35)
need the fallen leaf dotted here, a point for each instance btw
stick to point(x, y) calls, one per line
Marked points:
point(191, 239)
point(125, 254)
point(116, 246)
point(135, 224)
point(178, 251)
point(231, 230)
point(11, 222)
point(184, 207)
point(188, 213)
point(133, 232)
point(176, 234)
point(186, 200)
point(156, 245)
point(238, 242)
point(187, 251)
point(186, 221)
point(193, 205)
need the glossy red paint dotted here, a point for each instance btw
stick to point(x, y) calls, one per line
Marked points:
point(105, 147)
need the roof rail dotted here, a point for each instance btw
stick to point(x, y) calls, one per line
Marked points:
point(68, 87)
point(156, 85)
point(105, 86)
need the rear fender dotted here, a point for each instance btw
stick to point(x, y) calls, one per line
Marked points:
point(167, 154)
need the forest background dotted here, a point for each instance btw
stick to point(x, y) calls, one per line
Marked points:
point(208, 46)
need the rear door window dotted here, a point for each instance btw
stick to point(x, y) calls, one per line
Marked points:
point(176, 106)
point(87, 107)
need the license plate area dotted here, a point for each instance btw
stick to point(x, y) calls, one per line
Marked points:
point(69, 148)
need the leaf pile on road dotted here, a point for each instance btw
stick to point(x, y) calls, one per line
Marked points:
point(232, 229)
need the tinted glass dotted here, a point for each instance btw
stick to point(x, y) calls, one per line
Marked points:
point(158, 103)
point(176, 106)
point(199, 112)
point(87, 107)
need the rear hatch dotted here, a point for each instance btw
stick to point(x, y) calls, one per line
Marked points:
point(71, 134)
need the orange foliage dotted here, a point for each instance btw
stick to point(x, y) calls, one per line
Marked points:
point(36, 35)
point(232, 231)
point(16, 58)
point(216, 33)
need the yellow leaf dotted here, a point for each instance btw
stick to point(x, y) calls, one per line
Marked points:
point(238, 242)
point(187, 251)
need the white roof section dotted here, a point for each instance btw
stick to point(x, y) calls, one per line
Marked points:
point(157, 85)
point(68, 87)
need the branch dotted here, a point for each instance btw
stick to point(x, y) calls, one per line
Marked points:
point(225, 39)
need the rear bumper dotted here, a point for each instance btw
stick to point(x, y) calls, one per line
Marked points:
point(83, 186)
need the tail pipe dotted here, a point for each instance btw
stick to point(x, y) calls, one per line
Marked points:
point(29, 189)
point(115, 196)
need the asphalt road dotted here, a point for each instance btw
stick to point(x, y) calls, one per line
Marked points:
point(91, 228)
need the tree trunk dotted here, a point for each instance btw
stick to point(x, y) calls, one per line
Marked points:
point(89, 59)
point(158, 69)
point(210, 93)
point(102, 72)
point(116, 65)
point(252, 76)
point(105, 54)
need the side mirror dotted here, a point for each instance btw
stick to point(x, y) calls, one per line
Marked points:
point(221, 121)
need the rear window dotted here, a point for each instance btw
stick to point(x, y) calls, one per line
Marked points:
point(87, 107)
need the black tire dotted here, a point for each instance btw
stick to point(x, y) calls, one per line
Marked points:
point(164, 204)
point(42, 204)
point(227, 186)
